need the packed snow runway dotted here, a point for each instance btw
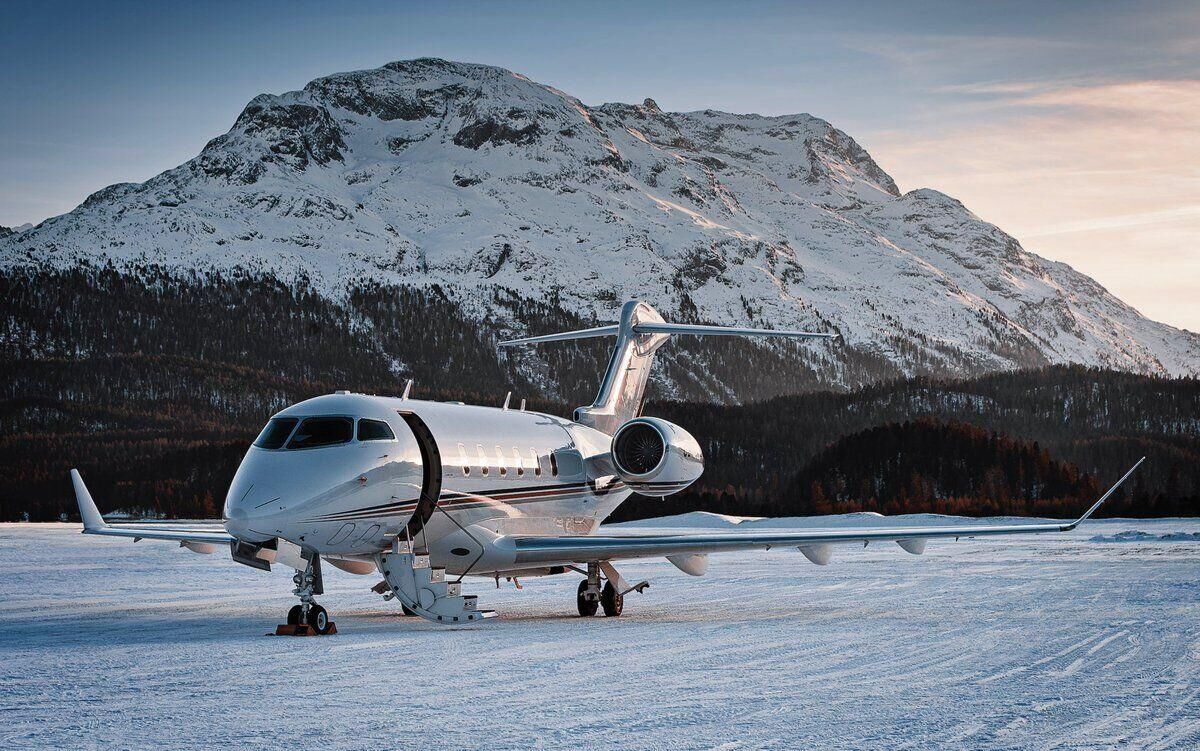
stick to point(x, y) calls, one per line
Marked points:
point(1088, 640)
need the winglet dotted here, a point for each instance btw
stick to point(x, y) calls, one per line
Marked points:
point(87, 507)
point(1087, 514)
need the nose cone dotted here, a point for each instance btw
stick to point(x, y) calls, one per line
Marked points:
point(237, 522)
point(247, 505)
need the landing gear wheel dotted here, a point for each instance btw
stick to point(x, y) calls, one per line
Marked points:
point(408, 612)
point(318, 619)
point(611, 600)
point(586, 607)
point(294, 615)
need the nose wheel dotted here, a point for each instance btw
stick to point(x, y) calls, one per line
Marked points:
point(308, 618)
point(317, 619)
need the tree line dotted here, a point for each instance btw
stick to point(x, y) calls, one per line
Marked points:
point(154, 382)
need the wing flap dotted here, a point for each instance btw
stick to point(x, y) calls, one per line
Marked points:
point(154, 532)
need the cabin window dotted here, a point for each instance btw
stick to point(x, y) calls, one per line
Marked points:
point(462, 459)
point(322, 431)
point(553, 465)
point(517, 462)
point(375, 430)
point(567, 462)
point(503, 465)
point(276, 432)
point(537, 463)
point(483, 462)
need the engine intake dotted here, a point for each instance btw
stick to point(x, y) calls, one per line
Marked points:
point(655, 457)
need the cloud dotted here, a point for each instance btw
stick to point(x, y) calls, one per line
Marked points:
point(1171, 103)
point(931, 54)
point(1125, 221)
point(994, 88)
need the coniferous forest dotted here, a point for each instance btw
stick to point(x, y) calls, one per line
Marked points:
point(154, 385)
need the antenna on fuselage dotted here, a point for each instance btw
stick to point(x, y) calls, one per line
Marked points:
point(407, 388)
point(522, 405)
point(507, 399)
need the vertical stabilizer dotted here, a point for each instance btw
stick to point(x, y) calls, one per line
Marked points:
point(639, 334)
point(624, 384)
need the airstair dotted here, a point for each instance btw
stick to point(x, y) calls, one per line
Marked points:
point(424, 589)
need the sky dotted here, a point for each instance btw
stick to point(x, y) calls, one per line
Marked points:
point(1071, 125)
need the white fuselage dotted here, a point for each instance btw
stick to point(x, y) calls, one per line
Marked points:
point(502, 472)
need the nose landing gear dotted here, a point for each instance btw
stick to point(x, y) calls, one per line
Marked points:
point(308, 618)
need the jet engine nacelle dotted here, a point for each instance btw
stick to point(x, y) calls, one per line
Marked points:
point(655, 457)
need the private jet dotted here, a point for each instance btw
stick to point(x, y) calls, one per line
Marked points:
point(425, 494)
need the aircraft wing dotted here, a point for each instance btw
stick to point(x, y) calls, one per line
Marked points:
point(813, 542)
point(194, 538)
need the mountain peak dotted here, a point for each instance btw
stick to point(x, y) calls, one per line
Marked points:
point(485, 183)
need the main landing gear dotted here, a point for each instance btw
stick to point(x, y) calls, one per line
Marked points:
point(587, 601)
point(611, 597)
point(611, 600)
point(308, 618)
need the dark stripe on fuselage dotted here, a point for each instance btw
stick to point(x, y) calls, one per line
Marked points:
point(456, 499)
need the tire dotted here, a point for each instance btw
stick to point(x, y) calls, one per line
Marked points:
point(294, 615)
point(407, 611)
point(318, 619)
point(611, 600)
point(587, 607)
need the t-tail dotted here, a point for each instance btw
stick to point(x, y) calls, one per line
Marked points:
point(639, 335)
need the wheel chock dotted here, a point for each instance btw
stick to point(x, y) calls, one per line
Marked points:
point(301, 629)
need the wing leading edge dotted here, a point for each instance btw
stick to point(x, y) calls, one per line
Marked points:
point(94, 524)
point(581, 549)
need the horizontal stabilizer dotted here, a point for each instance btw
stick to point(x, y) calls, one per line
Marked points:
point(671, 329)
point(696, 330)
point(565, 336)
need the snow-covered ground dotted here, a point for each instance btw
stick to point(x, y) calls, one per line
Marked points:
point(1060, 641)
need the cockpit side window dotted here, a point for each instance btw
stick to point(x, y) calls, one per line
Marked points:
point(276, 432)
point(375, 430)
point(322, 431)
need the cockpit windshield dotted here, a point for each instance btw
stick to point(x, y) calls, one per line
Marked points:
point(322, 431)
point(276, 432)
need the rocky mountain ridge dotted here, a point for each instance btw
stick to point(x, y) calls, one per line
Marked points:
point(485, 185)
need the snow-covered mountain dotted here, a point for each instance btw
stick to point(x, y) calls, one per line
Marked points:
point(475, 178)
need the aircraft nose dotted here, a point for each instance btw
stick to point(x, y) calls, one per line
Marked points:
point(244, 506)
point(236, 519)
point(240, 523)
